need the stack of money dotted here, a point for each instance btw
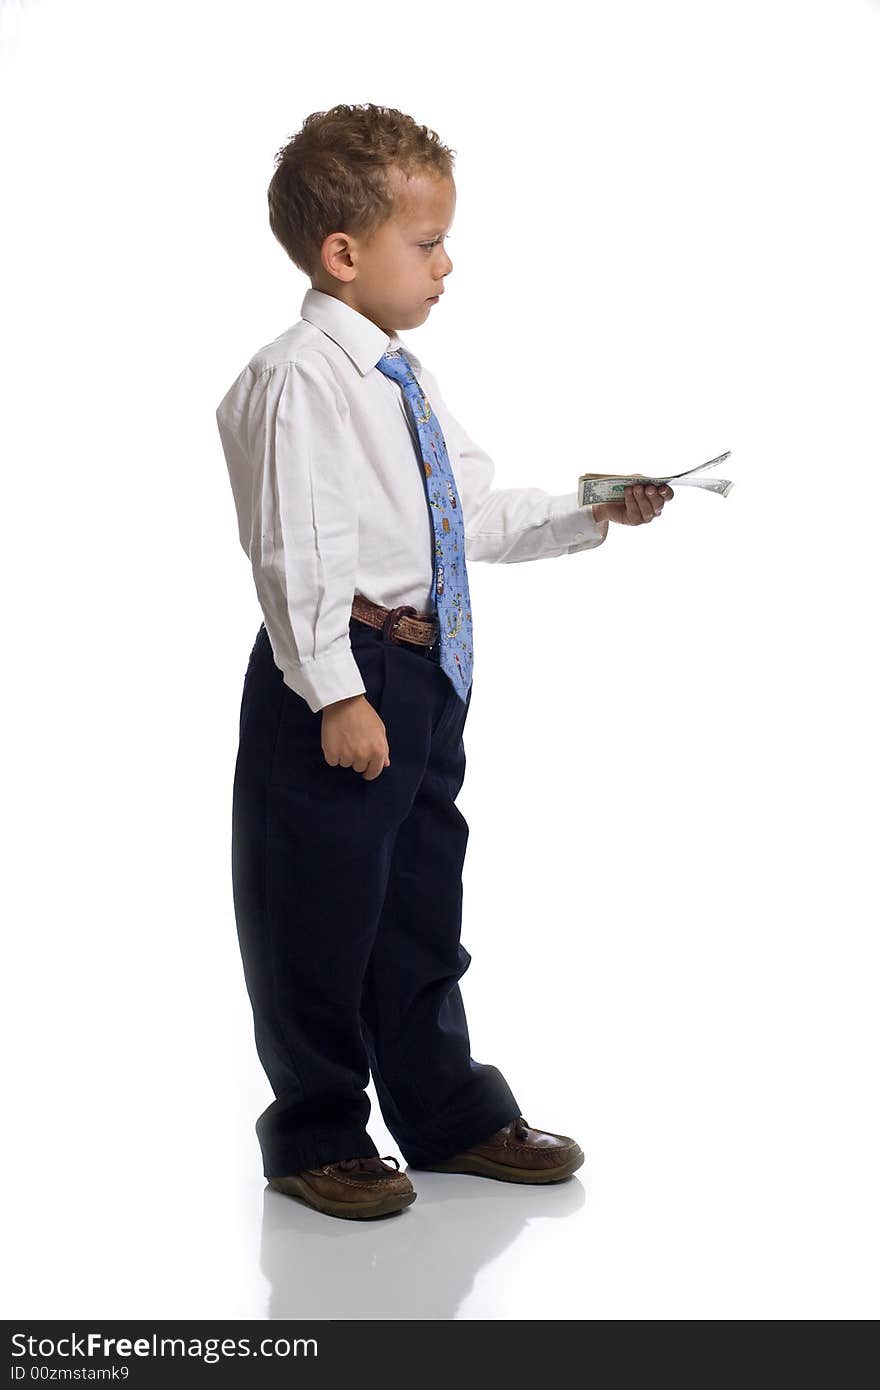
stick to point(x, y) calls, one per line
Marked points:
point(609, 487)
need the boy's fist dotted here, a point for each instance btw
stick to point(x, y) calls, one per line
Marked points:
point(353, 735)
point(642, 502)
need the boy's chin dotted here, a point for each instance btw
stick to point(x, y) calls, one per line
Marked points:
point(413, 318)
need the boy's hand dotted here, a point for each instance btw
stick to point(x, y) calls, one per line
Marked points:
point(642, 502)
point(353, 735)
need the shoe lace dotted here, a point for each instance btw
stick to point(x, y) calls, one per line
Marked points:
point(366, 1165)
point(521, 1127)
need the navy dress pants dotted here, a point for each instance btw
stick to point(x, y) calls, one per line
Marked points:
point(348, 897)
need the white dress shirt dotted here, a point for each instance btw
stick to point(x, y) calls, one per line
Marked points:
point(327, 478)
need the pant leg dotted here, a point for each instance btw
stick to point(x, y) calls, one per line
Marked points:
point(311, 853)
point(435, 1098)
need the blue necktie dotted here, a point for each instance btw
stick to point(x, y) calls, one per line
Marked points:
point(449, 589)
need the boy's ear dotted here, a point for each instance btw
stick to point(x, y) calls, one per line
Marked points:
point(338, 256)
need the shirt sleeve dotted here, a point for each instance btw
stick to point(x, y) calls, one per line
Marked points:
point(304, 537)
point(507, 525)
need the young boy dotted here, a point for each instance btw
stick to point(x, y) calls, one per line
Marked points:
point(359, 499)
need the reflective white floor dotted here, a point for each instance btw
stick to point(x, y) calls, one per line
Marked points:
point(674, 1220)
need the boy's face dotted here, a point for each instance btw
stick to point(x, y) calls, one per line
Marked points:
point(392, 277)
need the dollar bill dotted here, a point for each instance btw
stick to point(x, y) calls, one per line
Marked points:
point(613, 489)
point(610, 487)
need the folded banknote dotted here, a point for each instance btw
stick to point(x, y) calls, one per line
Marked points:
point(609, 487)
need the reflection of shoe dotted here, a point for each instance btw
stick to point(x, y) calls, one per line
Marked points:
point(515, 1154)
point(354, 1188)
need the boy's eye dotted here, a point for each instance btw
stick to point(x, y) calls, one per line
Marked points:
point(429, 245)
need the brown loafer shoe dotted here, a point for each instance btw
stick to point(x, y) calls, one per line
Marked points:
point(516, 1153)
point(356, 1188)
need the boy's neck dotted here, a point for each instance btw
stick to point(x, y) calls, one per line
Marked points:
point(343, 298)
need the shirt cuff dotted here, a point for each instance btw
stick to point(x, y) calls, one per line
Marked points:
point(574, 526)
point(325, 680)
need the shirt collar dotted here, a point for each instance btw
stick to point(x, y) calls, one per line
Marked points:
point(363, 340)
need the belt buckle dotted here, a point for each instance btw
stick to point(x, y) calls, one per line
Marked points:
point(391, 620)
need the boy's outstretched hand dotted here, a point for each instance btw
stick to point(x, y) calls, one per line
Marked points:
point(642, 502)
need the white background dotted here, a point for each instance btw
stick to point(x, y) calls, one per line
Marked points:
point(667, 226)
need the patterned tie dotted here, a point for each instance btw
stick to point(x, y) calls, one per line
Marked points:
point(449, 589)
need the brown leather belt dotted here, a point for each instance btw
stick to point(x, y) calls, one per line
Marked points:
point(401, 624)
